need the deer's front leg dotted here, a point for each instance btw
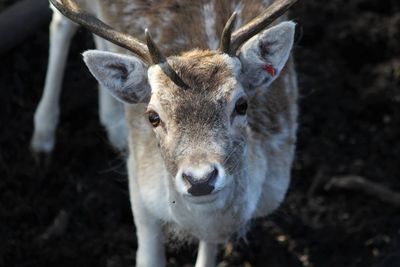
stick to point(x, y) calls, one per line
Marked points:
point(46, 115)
point(206, 256)
point(151, 251)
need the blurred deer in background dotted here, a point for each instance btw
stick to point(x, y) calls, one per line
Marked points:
point(47, 113)
point(212, 129)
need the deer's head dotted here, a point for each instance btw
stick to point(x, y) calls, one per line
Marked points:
point(196, 101)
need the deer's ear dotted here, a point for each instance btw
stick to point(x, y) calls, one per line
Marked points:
point(264, 56)
point(125, 77)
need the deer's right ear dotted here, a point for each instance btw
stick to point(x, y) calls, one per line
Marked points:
point(125, 77)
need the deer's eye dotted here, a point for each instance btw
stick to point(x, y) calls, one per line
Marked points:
point(154, 118)
point(241, 106)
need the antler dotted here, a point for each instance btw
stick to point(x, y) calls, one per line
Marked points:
point(149, 53)
point(226, 34)
point(244, 33)
point(158, 58)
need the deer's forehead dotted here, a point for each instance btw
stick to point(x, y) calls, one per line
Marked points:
point(205, 72)
point(210, 76)
point(200, 108)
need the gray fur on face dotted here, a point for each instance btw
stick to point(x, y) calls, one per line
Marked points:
point(199, 117)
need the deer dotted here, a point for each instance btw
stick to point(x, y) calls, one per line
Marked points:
point(46, 117)
point(211, 121)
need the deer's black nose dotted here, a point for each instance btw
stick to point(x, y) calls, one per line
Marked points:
point(201, 186)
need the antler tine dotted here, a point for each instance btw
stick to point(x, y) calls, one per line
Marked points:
point(70, 9)
point(155, 53)
point(244, 33)
point(158, 58)
point(226, 34)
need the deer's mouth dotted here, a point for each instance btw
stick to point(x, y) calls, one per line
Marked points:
point(202, 199)
point(206, 199)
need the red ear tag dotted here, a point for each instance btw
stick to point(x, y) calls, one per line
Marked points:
point(270, 69)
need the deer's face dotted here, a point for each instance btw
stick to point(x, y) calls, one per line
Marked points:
point(201, 131)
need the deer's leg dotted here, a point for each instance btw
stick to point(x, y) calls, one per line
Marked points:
point(111, 111)
point(207, 254)
point(47, 113)
point(150, 251)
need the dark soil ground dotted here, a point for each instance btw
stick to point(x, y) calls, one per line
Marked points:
point(348, 60)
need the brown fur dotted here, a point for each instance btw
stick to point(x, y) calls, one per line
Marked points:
point(200, 69)
point(184, 31)
point(176, 25)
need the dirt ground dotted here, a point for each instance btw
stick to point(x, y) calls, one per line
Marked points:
point(348, 60)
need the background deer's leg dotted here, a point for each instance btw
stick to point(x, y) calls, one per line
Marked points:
point(47, 112)
point(206, 256)
point(111, 111)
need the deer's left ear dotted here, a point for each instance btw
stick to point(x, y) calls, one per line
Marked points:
point(264, 56)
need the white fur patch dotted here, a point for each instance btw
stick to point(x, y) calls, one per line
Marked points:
point(155, 84)
point(152, 73)
point(130, 7)
point(267, 2)
point(209, 25)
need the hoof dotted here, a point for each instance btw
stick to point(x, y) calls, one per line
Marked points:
point(41, 149)
point(42, 159)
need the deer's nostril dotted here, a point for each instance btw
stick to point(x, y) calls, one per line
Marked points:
point(202, 186)
point(188, 179)
point(212, 176)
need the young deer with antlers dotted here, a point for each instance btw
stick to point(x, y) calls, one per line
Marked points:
point(211, 130)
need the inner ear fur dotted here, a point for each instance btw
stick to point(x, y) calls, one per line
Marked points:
point(264, 56)
point(125, 77)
